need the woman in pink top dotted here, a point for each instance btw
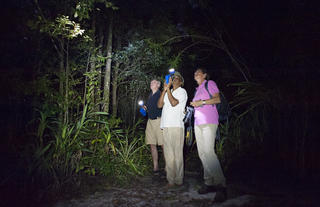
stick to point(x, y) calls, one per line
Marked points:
point(206, 124)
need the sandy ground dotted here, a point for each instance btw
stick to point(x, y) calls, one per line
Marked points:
point(152, 191)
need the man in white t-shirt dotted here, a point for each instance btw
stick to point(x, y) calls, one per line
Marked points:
point(173, 102)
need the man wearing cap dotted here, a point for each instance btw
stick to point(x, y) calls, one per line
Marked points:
point(173, 102)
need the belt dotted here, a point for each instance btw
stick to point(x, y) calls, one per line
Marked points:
point(156, 118)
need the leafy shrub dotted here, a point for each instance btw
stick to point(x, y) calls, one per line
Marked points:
point(94, 144)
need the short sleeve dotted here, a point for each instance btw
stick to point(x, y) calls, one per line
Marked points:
point(182, 96)
point(212, 87)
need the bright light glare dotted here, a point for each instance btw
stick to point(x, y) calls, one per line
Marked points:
point(140, 103)
point(171, 70)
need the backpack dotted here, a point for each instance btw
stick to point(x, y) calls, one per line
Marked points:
point(223, 107)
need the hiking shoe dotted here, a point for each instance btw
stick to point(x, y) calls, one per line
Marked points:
point(221, 195)
point(163, 174)
point(207, 189)
point(156, 172)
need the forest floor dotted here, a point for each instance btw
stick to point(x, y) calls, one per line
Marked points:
point(245, 189)
point(150, 190)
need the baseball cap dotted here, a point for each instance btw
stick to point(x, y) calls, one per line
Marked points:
point(180, 76)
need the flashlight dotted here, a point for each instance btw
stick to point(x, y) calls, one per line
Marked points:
point(171, 72)
point(142, 110)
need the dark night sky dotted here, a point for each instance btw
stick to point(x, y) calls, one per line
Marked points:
point(263, 31)
point(273, 37)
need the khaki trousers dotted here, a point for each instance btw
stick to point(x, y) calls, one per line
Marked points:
point(154, 134)
point(173, 140)
point(205, 136)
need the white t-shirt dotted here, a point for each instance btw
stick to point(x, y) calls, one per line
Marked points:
point(172, 116)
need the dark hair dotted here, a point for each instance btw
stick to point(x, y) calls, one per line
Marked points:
point(204, 71)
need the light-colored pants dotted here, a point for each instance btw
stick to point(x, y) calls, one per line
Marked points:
point(205, 136)
point(173, 140)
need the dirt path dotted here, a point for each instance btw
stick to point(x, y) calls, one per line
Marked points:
point(151, 191)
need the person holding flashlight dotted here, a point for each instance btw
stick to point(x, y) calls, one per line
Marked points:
point(154, 135)
point(173, 102)
point(206, 123)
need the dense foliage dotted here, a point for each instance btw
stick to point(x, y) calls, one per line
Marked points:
point(78, 69)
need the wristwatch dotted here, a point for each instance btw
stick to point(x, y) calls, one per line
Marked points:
point(203, 102)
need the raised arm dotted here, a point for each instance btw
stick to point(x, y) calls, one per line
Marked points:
point(165, 89)
point(161, 99)
point(172, 99)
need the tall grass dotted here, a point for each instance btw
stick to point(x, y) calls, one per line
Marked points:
point(245, 132)
point(95, 144)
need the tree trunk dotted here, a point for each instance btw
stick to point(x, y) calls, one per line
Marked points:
point(93, 66)
point(106, 90)
point(114, 89)
point(99, 84)
point(66, 102)
point(61, 78)
point(115, 82)
point(61, 69)
point(84, 100)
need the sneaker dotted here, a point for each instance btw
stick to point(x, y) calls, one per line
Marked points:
point(221, 195)
point(207, 189)
point(156, 172)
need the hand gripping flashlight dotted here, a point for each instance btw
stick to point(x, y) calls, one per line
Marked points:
point(171, 72)
point(142, 110)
